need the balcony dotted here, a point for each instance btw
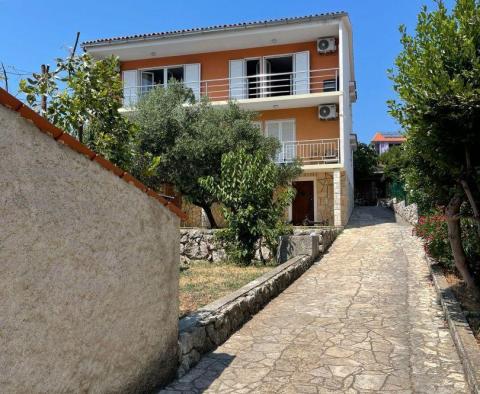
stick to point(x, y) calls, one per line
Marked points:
point(259, 88)
point(310, 152)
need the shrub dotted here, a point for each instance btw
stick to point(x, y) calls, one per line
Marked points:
point(433, 230)
point(254, 195)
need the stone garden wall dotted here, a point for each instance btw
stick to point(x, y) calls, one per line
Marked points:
point(199, 244)
point(407, 212)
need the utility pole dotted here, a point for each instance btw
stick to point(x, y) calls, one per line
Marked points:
point(5, 77)
point(45, 69)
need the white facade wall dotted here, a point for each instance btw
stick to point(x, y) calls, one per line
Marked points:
point(346, 124)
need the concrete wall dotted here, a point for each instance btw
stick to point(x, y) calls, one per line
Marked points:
point(89, 272)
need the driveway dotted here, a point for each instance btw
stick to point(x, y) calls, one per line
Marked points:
point(364, 318)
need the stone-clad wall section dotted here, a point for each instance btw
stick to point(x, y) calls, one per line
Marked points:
point(89, 272)
point(408, 213)
point(200, 244)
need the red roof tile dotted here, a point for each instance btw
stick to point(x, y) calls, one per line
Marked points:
point(379, 137)
point(9, 101)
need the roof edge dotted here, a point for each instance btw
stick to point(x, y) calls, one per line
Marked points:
point(43, 125)
point(211, 29)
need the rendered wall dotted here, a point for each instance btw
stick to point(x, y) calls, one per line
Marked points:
point(89, 273)
point(215, 64)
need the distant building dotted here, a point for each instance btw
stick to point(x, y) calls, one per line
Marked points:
point(384, 141)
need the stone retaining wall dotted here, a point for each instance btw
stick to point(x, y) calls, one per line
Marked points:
point(199, 244)
point(406, 212)
point(213, 324)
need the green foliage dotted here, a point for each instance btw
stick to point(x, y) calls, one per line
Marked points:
point(393, 162)
point(433, 230)
point(437, 80)
point(254, 195)
point(365, 161)
point(83, 98)
point(438, 84)
point(181, 141)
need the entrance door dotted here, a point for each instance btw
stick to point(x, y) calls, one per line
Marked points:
point(302, 206)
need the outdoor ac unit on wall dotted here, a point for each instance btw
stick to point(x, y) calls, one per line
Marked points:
point(326, 45)
point(327, 111)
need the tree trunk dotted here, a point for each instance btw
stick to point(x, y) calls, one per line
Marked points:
point(455, 237)
point(80, 133)
point(468, 191)
point(211, 219)
point(473, 204)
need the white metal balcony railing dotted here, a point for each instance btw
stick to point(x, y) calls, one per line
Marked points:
point(253, 86)
point(323, 151)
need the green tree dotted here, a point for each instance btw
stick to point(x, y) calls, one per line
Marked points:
point(83, 96)
point(393, 162)
point(254, 193)
point(181, 141)
point(365, 160)
point(437, 79)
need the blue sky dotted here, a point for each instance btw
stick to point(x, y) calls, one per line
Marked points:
point(34, 32)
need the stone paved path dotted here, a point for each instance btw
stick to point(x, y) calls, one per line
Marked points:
point(362, 319)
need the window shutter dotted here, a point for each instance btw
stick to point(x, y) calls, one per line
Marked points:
point(301, 76)
point(273, 129)
point(130, 88)
point(288, 139)
point(192, 78)
point(237, 79)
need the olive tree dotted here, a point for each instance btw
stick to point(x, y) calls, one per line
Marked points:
point(182, 141)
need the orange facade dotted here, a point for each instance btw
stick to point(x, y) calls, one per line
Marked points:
point(215, 65)
point(307, 124)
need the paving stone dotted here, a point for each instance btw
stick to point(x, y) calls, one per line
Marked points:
point(363, 319)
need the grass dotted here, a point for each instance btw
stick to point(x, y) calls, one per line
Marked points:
point(204, 282)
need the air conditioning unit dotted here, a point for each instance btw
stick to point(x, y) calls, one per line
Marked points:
point(326, 45)
point(327, 112)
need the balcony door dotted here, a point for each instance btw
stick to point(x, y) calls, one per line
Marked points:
point(284, 132)
point(278, 75)
point(270, 76)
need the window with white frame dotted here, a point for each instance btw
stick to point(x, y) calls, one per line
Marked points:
point(160, 76)
point(284, 131)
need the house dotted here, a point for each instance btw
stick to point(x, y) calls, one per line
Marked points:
point(297, 73)
point(384, 141)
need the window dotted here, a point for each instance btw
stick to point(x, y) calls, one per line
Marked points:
point(284, 131)
point(330, 85)
point(253, 80)
point(160, 76)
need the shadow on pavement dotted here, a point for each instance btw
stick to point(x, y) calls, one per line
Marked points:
point(201, 377)
point(371, 216)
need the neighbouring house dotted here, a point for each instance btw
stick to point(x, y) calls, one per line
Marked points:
point(384, 141)
point(297, 73)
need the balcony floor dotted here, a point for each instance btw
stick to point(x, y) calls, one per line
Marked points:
point(291, 101)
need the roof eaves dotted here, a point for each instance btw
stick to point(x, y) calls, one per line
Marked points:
point(210, 29)
point(11, 102)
